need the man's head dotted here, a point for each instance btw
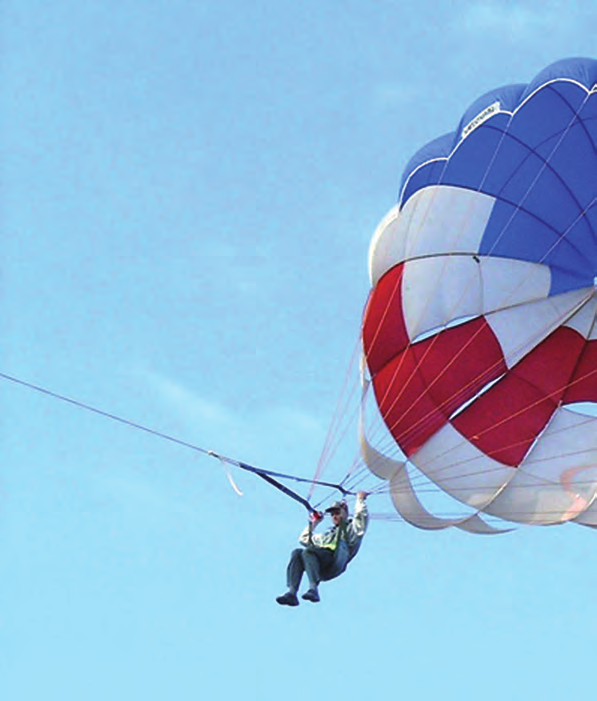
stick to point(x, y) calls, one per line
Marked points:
point(338, 511)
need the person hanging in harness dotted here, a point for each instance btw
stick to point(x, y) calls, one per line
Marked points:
point(325, 555)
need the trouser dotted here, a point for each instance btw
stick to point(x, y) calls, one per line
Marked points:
point(313, 561)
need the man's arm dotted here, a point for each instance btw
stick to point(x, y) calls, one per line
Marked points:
point(360, 520)
point(306, 537)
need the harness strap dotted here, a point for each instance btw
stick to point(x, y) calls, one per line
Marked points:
point(283, 488)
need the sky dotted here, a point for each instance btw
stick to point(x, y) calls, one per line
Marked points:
point(188, 191)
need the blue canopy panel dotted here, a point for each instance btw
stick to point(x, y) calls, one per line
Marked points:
point(533, 149)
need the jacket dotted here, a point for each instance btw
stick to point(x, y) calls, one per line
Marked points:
point(344, 539)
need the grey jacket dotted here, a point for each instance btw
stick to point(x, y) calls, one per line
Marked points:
point(345, 544)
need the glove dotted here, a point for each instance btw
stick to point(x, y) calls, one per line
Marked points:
point(315, 517)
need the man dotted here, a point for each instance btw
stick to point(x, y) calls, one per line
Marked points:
point(325, 555)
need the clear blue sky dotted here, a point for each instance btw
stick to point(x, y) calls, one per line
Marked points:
point(188, 190)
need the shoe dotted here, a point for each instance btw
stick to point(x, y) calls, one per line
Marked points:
point(288, 599)
point(311, 595)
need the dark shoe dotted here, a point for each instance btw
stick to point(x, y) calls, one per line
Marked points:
point(288, 599)
point(311, 595)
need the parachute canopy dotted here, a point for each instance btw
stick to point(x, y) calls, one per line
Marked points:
point(480, 333)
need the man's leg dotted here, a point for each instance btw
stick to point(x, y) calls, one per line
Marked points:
point(294, 574)
point(295, 569)
point(315, 560)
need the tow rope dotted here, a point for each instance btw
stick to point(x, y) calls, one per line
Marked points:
point(267, 475)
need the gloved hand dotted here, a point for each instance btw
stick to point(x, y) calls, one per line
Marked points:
point(315, 517)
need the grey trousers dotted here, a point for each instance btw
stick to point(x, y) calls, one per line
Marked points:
point(314, 561)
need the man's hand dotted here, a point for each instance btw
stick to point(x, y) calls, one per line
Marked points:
point(315, 517)
point(362, 495)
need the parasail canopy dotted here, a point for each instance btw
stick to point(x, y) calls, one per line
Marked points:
point(480, 333)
